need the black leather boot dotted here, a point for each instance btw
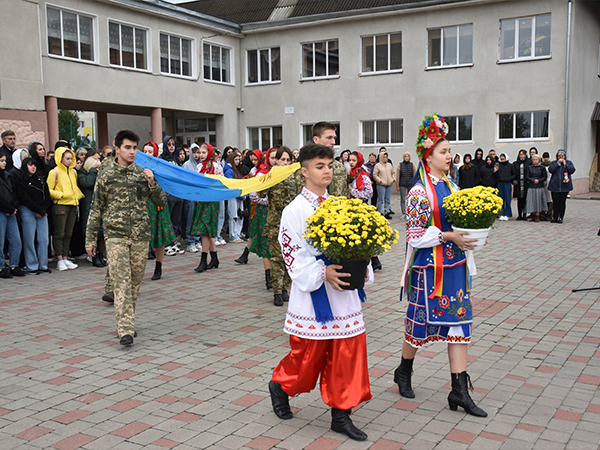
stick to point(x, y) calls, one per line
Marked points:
point(157, 271)
point(214, 261)
point(278, 300)
point(280, 401)
point(202, 266)
point(97, 260)
point(244, 258)
point(402, 377)
point(341, 422)
point(375, 263)
point(102, 257)
point(285, 296)
point(459, 396)
point(268, 279)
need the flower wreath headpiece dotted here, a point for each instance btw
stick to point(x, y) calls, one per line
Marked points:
point(431, 131)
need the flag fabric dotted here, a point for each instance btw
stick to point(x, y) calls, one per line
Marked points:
point(183, 183)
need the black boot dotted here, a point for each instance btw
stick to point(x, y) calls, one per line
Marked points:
point(341, 422)
point(459, 396)
point(202, 266)
point(402, 377)
point(214, 261)
point(375, 263)
point(97, 260)
point(268, 279)
point(285, 296)
point(280, 401)
point(244, 258)
point(102, 258)
point(278, 300)
point(157, 271)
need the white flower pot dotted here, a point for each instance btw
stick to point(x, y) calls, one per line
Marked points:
point(481, 234)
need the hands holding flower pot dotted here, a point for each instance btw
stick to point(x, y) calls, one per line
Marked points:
point(458, 237)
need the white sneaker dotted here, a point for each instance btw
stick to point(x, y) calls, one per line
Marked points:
point(60, 265)
point(198, 247)
point(217, 242)
point(192, 248)
point(222, 241)
point(179, 251)
point(70, 265)
point(170, 250)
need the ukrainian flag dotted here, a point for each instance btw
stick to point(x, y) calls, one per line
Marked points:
point(183, 183)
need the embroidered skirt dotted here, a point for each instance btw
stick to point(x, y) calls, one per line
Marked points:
point(260, 243)
point(161, 228)
point(418, 332)
point(206, 219)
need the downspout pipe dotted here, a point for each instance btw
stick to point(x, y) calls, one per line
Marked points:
point(567, 74)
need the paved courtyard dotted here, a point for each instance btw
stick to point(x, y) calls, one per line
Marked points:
point(197, 374)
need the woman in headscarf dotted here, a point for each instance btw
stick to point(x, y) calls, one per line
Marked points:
point(520, 183)
point(206, 214)
point(359, 181)
point(435, 273)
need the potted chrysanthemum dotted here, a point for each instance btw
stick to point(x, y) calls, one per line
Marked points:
point(473, 210)
point(349, 232)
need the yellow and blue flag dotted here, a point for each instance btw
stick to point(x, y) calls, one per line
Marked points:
point(183, 183)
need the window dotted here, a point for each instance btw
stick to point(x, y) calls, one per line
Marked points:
point(382, 53)
point(308, 136)
point(70, 35)
point(320, 59)
point(526, 126)
point(263, 138)
point(175, 55)
point(127, 46)
point(460, 128)
point(198, 130)
point(264, 66)
point(377, 132)
point(525, 38)
point(217, 63)
point(450, 46)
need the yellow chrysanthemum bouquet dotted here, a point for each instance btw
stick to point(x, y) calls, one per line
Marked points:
point(474, 208)
point(349, 229)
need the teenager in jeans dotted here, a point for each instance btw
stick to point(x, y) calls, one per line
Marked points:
point(9, 229)
point(385, 177)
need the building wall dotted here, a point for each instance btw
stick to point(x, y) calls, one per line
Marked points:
point(584, 89)
point(482, 90)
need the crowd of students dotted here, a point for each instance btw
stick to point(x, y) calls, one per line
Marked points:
point(541, 186)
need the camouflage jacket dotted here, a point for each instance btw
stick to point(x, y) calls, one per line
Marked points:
point(339, 182)
point(280, 196)
point(121, 202)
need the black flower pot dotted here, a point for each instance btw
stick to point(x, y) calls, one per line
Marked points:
point(357, 268)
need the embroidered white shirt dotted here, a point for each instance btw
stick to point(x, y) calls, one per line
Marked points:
point(308, 274)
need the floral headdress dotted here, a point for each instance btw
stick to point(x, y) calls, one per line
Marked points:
point(431, 131)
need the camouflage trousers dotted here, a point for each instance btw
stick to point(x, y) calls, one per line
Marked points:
point(279, 276)
point(126, 266)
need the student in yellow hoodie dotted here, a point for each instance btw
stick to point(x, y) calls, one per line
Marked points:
point(62, 182)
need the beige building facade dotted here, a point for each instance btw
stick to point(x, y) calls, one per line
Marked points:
point(507, 74)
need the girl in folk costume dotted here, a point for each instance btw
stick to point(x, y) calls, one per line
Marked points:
point(206, 214)
point(250, 163)
point(435, 275)
point(358, 179)
point(258, 214)
point(161, 228)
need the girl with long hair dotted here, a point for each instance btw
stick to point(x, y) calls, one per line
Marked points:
point(235, 206)
point(435, 273)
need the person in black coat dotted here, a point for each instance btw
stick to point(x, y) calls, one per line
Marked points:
point(35, 201)
point(489, 173)
point(536, 195)
point(479, 161)
point(520, 182)
point(9, 229)
point(560, 184)
point(506, 176)
point(468, 174)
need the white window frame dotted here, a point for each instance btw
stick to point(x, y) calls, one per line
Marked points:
point(310, 124)
point(516, 57)
point(231, 81)
point(147, 54)
point(457, 117)
point(515, 139)
point(258, 50)
point(192, 40)
point(389, 55)
point(379, 143)
point(260, 128)
point(93, 17)
point(326, 77)
point(450, 66)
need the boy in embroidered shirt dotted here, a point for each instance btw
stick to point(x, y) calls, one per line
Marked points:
point(334, 349)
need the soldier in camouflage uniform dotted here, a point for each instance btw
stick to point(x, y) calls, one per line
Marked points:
point(324, 134)
point(121, 202)
point(109, 295)
point(280, 196)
